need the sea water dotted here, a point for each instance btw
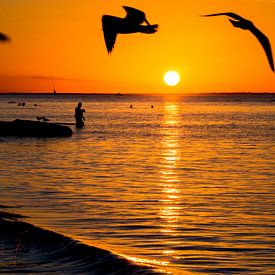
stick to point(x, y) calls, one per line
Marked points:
point(182, 184)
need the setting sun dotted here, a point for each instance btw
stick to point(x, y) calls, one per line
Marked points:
point(171, 78)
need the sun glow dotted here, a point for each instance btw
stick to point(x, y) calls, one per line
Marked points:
point(171, 78)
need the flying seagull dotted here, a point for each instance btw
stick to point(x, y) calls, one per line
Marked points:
point(3, 37)
point(113, 25)
point(242, 23)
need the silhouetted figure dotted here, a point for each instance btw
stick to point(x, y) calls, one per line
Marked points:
point(131, 106)
point(113, 25)
point(79, 118)
point(242, 23)
point(4, 38)
point(152, 106)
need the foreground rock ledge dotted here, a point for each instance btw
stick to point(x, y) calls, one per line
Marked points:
point(29, 128)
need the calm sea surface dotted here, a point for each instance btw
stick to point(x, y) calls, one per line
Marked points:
point(185, 187)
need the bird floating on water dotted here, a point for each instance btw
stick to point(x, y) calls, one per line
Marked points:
point(132, 23)
point(242, 23)
point(43, 118)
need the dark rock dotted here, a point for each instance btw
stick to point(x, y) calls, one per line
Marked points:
point(29, 128)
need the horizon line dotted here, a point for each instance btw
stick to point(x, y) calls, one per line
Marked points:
point(136, 94)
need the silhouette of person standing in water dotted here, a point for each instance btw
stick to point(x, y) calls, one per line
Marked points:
point(79, 118)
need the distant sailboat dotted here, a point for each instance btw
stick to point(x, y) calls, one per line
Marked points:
point(54, 91)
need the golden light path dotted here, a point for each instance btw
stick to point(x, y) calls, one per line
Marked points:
point(169, 208)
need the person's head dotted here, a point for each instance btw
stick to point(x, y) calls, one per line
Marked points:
point(79, 104)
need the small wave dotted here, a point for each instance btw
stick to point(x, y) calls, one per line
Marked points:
point(25, 248)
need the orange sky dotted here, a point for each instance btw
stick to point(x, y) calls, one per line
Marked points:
point(59, 43)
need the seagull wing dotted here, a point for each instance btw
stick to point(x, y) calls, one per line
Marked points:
point(262, 38)
point(230, 14)
point(134, 15)
point(109, 32)
point(3, 37)
point(240, 23)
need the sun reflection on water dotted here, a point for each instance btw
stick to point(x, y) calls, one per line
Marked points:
point(169, 209)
